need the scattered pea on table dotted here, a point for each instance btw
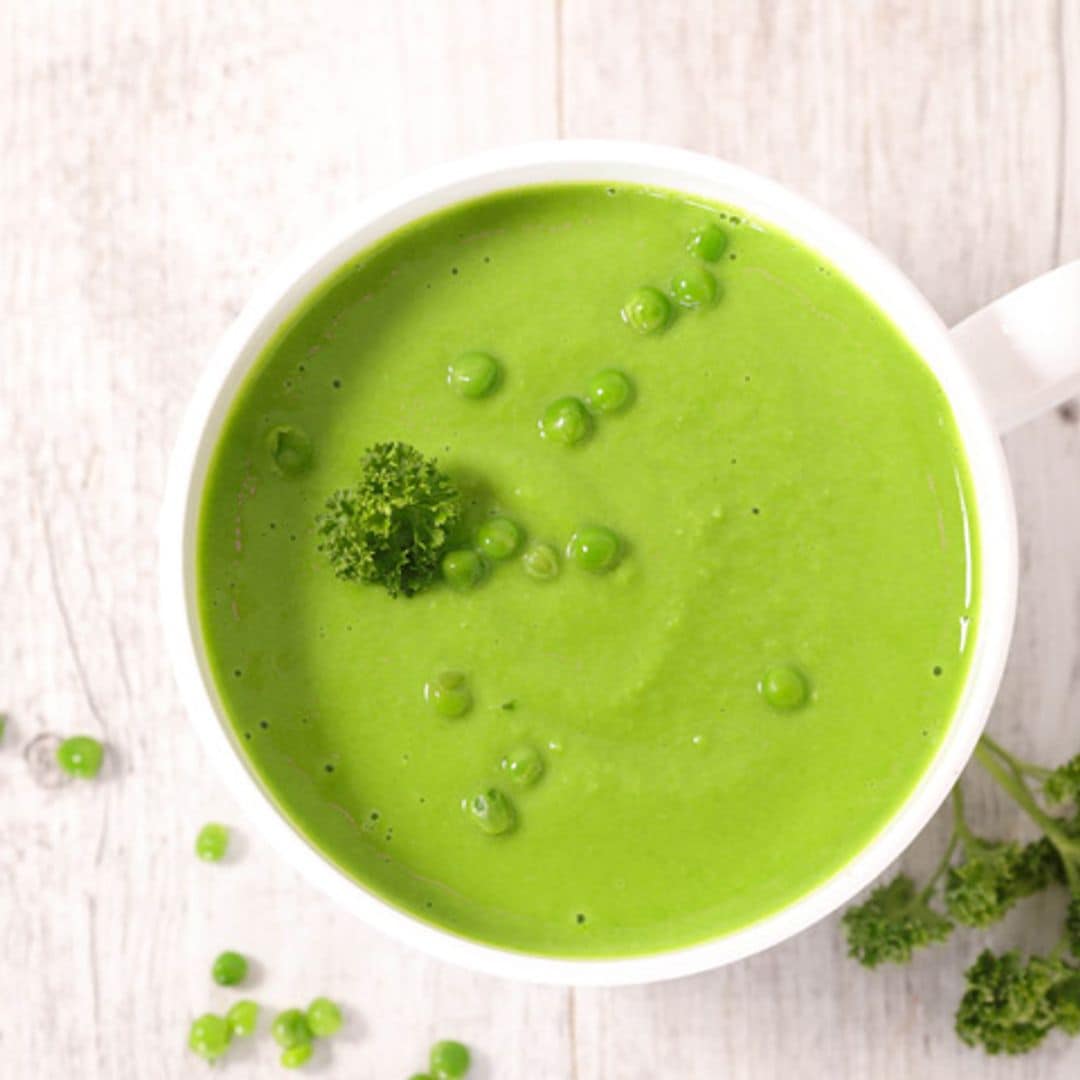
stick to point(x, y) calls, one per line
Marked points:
point(242, 1018)
point(323, 1017)
point(229, 968)
point(80, 756)
point(212, 842)
point(450, 1060)
point(209, 1036)
point(293, 1057)
point(290, 1028)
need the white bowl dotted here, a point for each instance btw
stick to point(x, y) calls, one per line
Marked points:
point(280, 293)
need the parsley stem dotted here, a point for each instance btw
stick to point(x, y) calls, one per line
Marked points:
point(1013, 784)
point(960, 826)
point(1036, 772)
point(946, 859)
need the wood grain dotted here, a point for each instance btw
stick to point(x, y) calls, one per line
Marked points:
point(154, 158)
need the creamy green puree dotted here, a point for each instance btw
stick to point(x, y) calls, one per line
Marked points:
point(793, 514)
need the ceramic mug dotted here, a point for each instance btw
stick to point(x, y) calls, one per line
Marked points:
point(1000, 367)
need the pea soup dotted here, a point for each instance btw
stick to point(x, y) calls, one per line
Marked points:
point(704, 619)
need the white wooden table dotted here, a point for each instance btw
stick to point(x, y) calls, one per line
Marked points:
point(154, 158)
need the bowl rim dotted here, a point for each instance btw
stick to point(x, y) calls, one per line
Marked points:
point(278, 293)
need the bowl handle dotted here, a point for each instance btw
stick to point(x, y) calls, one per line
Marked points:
point(1024, 349)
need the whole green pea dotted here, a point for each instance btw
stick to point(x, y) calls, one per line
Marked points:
point(694, 287)
point(448, 694)
point(498, 538)
point(565, 421)
point(524, 765)
point(608, 391)
point(541, 561)
point(784, 687)
point(462, 569)
point(212, 842)
point(323, 1017)
point(229, 968)
point(473, 374)
point(290, 449)
point(80, 756)
point(450, 1060)
point(594, 548)
point(209, 1036)
point(707, 242)
point(491, 811)
point(647, 310)
point(243, 1017)
point(294, 1057)
point(290, 1028)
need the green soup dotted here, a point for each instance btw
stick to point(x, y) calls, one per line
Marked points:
point(794, 518)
